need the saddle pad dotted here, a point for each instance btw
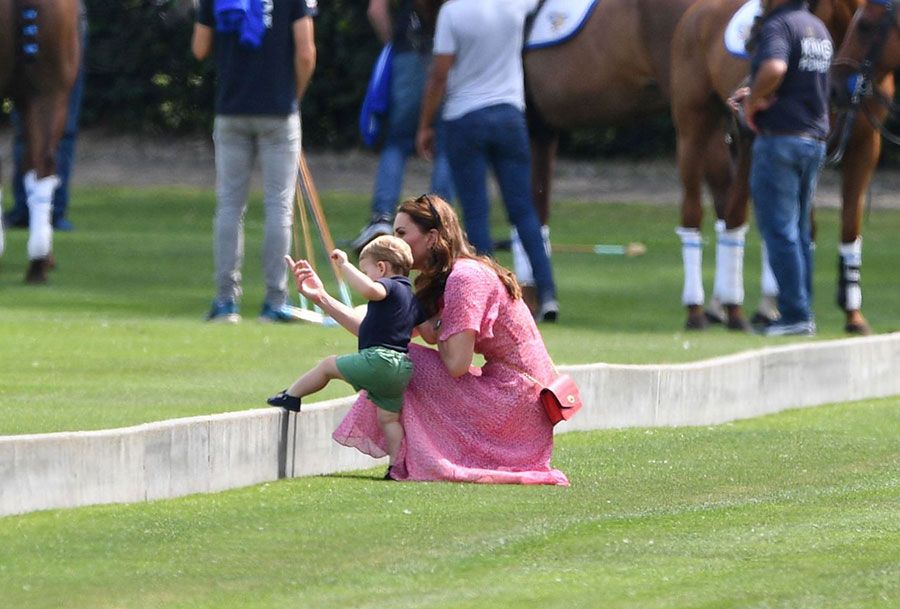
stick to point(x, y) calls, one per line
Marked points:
point(557, 21)
point(738, 29)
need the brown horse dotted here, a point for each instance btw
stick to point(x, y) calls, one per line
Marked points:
point(39, 57)
point(614, 71)
point(705, 74)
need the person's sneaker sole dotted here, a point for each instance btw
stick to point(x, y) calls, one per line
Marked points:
point(227, 318)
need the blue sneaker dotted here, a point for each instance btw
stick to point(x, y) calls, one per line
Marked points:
point(282, 314)
point(223, 312)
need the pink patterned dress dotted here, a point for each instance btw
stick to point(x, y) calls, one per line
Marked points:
point(485, 426)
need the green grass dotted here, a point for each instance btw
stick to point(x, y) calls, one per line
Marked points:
point(797, 510)
point(118, 338)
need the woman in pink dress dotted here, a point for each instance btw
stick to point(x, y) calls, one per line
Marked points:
point(464, 423)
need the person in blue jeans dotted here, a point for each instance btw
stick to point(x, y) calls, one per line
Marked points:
point(786, 105)
point(411, 36)
point(17, 216)
point(477, 65)
point(264, 63)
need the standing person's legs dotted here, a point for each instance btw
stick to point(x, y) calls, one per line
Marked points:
point(235, 151)
point(279, 150)
point(511, 157)
point(466, 153)
point(775, 185)
point(441, 175)
point(407, 82)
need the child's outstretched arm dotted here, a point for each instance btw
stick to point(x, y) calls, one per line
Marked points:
point(310, 285)
point(361, 284)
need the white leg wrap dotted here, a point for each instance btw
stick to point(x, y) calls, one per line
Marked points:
point(40, 209)
point(851, 261)
point(767, 282)
point(729, 282)
point(521, 264)
point(692, 258)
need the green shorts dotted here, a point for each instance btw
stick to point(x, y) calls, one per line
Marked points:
point(382, 372)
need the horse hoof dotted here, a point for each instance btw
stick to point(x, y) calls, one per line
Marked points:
point(696, 322)
point(713, 317)
point(858, 328)
point(761, 319)
point(739, 324)
point(37, 271)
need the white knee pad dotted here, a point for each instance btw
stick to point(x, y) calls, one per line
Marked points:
point(40, 209)
point(692, 258)
point(729, 281)
point(521, 264)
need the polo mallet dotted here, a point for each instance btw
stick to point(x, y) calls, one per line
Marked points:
point(308, 188)
point(602, 249)
point(303, 311)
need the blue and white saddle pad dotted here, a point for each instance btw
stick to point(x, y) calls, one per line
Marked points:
point(557, 21)
point(377, 101)
point(738, 30)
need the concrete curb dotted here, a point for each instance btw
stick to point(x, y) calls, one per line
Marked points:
point(213, 453)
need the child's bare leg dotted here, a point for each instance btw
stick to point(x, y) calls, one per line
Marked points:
point(316, 378)
point(393, 432)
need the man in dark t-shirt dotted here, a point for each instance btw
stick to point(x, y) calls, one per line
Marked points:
point(264, 59)
point(787, 106)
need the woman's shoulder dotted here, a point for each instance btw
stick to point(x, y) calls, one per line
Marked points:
point(469, 269)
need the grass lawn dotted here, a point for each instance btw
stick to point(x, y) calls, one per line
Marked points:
point(797, 510)
point(117, 338)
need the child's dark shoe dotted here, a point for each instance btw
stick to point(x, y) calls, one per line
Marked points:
point(283, 400)
point(387, 474)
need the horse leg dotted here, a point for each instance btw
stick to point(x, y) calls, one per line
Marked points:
point(695, 125)
point(43, 120)
point(857, 169)
point(544, 143)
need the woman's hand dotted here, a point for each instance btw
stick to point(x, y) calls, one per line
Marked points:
point(308, 282)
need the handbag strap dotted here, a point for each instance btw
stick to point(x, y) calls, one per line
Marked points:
point(528, 376)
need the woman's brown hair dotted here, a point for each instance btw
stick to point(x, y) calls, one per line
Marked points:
point(430, 212)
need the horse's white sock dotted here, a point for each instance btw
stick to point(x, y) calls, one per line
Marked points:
point(729, 282)
point(521, 264)
point(692, 258)
point(40, 208)
point(767, 283)
point(850, 294)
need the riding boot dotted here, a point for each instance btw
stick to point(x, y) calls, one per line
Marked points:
point(849, 294)
point(40, 209)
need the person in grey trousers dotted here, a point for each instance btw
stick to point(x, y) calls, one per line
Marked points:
point(264, 60)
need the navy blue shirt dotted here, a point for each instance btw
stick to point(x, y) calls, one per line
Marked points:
point(389, 322)
point(799, 38)
point(258, 81)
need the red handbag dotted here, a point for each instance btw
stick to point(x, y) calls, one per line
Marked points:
point(561, 399)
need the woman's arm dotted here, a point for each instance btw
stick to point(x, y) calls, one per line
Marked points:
point(457, 352)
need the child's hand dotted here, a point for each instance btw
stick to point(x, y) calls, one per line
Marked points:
point(308, 282)
point(339, 257)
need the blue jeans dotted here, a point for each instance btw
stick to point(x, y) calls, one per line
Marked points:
point(497, 136)
point(408, 74)
point(783, 183)
point(65, 154)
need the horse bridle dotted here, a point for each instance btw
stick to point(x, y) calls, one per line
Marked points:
point(860, 84)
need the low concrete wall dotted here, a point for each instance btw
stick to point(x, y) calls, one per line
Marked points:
point(214, 453)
